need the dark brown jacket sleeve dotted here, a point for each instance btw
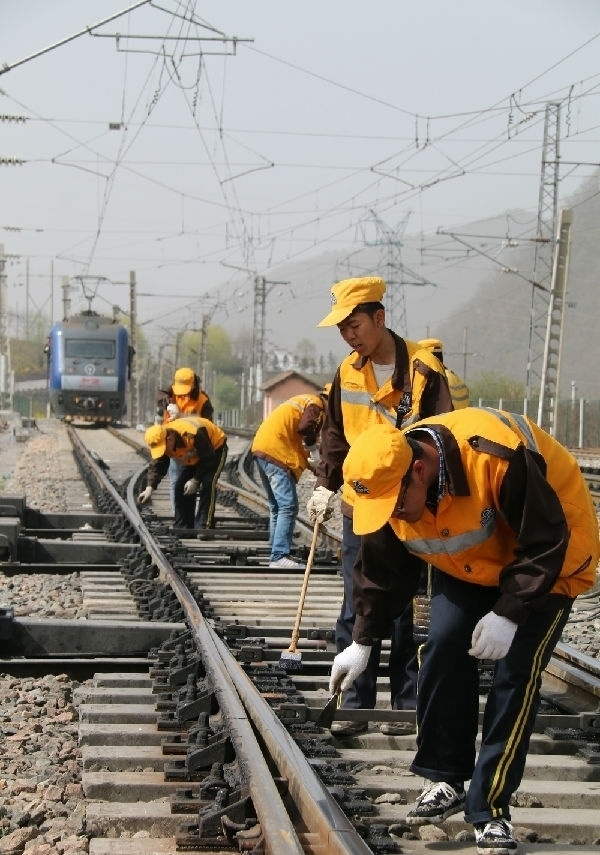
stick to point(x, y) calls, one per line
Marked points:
point(436, 396)
point(309, 426)
point(334, 446)
point(208, 457)
point(157, 471)
point(534, 512)
point(385, 578)
point(207, 411)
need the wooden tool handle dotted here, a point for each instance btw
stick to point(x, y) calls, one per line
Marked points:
point(311, 555)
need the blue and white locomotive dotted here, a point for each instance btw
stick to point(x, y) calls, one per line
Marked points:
point(89, 365)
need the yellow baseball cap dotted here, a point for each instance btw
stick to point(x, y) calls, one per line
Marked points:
point(324, 393)
point(374, 468)
point(431, 344)
point(183, 381)
point(350, 293)
point(156, 440)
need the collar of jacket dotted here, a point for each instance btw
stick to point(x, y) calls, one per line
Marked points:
point(400, 377)
point(457, 479)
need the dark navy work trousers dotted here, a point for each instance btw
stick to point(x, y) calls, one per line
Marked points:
point(198, 510)
point(402, 669)
point(448, 696)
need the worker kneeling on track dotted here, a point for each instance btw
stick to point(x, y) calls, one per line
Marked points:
point(200, 446)
point(503, 513)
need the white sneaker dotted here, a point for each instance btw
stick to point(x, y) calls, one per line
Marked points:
point(285, 564)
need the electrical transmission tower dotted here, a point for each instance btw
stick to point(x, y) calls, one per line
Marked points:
point(393, 270)
point(548, 404)
point(544, 249)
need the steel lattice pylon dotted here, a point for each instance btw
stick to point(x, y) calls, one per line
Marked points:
point(393, 270)
point(548, 404)
point(544, 251)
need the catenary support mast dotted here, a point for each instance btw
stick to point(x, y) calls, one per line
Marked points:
point(547, 222)
point(548, 404)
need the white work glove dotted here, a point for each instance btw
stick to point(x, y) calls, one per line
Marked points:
point(173, 411)
point(319, 506)
point(145, 495)
point(492, 637)
point(190, 487)
point(348, 665)
point(314, 457)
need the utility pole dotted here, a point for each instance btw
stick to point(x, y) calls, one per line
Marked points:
point(544, 252)
point(548, 404)
point(66, 300)
point(5, 371)
point(27, 299)
point(465, 352)
point(261, 292)
point(258, 337)
point(133, 379)
point(202, 351)
point(51, 292)
point(202, 360)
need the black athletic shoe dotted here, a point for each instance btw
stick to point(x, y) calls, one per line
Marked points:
point(436, 803)
point(495, 838)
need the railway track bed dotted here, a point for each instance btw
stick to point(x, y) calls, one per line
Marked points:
point(164, 728)
point(559, 793)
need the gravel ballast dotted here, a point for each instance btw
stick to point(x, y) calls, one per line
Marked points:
point(41, 803)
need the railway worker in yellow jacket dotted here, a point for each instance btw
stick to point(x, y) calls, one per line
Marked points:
point(284, 446)
point(184, 397)
point(503, 512)
point(458, 388)
point(385, 379)
point(200, 448)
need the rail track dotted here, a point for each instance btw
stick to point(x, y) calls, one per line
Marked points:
point(192, 737)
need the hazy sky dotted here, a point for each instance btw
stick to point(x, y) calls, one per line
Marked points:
point(185, 158)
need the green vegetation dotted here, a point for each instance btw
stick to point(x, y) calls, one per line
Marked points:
point(490, 385)
point(28, 357)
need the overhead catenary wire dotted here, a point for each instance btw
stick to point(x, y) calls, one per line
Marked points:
point(321, 224)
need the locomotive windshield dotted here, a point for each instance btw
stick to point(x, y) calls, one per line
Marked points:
point(90, 348)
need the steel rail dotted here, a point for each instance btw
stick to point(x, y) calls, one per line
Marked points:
point(266, 722)
point(244, 709)
point(568, 666)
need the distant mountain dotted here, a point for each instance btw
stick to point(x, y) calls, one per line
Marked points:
point(498, 317)
point(454, 273)
point(479, 308)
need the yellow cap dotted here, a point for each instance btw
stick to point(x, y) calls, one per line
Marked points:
point(374, 468)
point(183, 381)
point(156, 440)
point(325, 390)
point(350, 293)
point(431, 344)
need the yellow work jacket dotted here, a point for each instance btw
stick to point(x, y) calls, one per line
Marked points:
point(284, 434)
point(469, 537)
point(187, 406)
point(364, 404)
point(458, 389)
point(187, 427)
